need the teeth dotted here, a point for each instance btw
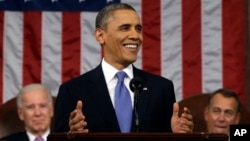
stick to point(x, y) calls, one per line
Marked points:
point(131, 46)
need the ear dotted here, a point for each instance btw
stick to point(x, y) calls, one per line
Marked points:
point(51, 111)
point(238, 118)
point(99, 35)
point(20, 114)
point(205, 113)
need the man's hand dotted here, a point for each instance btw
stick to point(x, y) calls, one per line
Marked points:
point(77, 120)
point(184, 123)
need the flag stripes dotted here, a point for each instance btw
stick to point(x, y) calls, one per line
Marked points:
point(151, 50)
point(198, 44)
point(191, 47)
point(233, 45)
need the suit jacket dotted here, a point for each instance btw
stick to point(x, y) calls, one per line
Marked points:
point(20, 136)
point(155, 104)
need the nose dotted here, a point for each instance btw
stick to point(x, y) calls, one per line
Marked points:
point(37, 110)
point(135, 34)
point(221, 116)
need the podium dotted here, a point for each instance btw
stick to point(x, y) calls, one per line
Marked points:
point(137, 137)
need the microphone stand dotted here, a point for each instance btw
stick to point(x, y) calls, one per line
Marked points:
point(136, 98)
point(135, 86)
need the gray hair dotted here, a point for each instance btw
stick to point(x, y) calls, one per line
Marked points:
point(226, 93)
point(104, 15)
point(30, 87)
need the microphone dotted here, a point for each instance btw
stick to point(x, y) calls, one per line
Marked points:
point(136, 86)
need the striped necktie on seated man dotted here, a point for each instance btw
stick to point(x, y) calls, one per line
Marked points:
point(39, 139)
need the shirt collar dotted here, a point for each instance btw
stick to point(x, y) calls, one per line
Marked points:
point(109, 71)
point(32, 137)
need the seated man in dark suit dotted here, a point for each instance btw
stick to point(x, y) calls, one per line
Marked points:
point(35, 109)
point(223, 109)
point(90, 102)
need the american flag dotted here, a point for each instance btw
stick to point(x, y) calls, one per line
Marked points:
point(198, 44)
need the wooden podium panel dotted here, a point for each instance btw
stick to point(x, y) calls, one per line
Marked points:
point(137, 137)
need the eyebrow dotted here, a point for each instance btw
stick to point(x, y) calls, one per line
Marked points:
point(129, 25)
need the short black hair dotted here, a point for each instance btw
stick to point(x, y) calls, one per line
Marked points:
point(104, 14)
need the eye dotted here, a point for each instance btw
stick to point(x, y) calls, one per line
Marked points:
point(124, 27)
point(29, 107)
point(229, 113)
point(216, 111)
point(138, 28)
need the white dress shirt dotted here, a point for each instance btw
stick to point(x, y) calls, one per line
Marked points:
point(111, 80)
point(32, 137)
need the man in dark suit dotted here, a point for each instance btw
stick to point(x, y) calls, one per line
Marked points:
point(87, 103)
point(35, 109)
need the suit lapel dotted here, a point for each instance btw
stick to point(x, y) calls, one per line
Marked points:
point(101, 98)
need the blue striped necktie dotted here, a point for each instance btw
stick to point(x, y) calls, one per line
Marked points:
point(123, 104)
